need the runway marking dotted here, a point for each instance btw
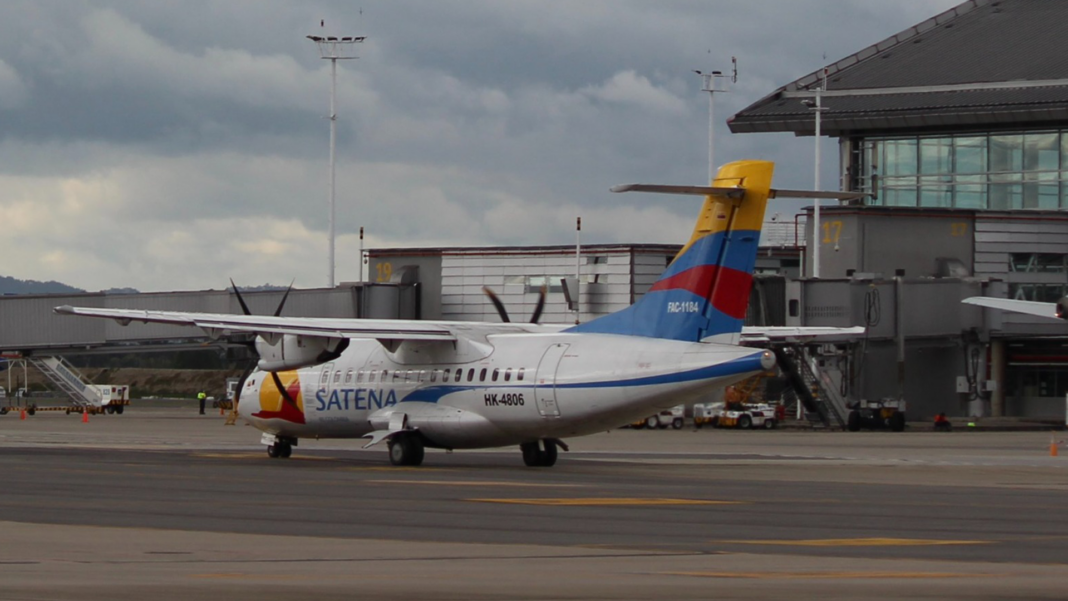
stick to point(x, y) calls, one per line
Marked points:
point(828, 575)
point(604, 502)
point(860, 542)
point(259, 456)
point(475, 483)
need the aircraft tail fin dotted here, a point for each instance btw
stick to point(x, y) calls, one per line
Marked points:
point(704, 292)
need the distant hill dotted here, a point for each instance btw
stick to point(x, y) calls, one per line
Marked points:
point(10, 285)
point(13, 286)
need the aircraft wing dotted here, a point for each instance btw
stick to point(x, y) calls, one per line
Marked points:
point(1017, 306)
point(757, 334)
point(215, 323)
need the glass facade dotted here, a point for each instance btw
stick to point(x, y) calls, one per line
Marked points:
point(1001, 171)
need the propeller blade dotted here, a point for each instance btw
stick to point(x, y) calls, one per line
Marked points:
point(541, 304)
point(241, 300)
point(282, 389)
point(497, 303)
point(281, 304)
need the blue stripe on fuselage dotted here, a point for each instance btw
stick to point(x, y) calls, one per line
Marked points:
point(433, 394)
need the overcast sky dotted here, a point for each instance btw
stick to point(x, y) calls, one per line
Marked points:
point(173, 145)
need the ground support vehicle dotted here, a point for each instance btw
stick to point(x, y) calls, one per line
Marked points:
point(706, 414)
point(674, 417)
point(231, 392)
point(113, 399)
point(877, 415)
point(747, 416)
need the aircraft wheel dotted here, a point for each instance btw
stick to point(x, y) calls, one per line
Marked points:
point(406, 450)
point(3, 410)
point(531, 454)
point(548, 454)
point(285, 450)
point(541, 453)
point(118, 409)
point(272, 451)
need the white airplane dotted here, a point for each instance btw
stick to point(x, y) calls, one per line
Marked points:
point(1057, 310)
point(466, 385)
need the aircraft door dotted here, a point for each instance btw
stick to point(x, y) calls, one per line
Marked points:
point(545, 380)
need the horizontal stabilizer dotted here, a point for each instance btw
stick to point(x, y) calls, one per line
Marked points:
point(734, 192)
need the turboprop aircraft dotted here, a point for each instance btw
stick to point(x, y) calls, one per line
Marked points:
point(1057, 310)
point(465, 385)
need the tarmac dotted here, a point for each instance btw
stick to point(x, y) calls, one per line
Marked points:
point(163, 503)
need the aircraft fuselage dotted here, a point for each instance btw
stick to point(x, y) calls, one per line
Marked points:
point(523, 388)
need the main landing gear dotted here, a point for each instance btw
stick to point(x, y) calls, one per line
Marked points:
point(281, 448)
point(541, 453)
point(406, 449)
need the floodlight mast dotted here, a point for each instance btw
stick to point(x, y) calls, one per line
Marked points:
point(334, 48)
point(709, 85)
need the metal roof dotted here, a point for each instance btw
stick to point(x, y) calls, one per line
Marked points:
point(983, 62)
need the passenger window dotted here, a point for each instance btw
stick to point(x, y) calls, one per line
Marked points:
point(459, 374)
point(433, 375)
point(370, 376)
point(519, 374)
point(496, 372)
point(422, 375)
point(348, 376)
point(325, 379)
point(385, 374)
point(471, 374)
point(398, 375)
point(482, 375)
point(507, 374)
point(445, 375)
point(337, 376)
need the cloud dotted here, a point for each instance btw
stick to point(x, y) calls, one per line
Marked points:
point(13, 92)
point(173, 145)
point(627, 87)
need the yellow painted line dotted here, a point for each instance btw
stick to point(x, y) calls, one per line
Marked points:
point(474, 483)
point(859, 542)
point(604, 502)
point(262, 455)
point(827, 575)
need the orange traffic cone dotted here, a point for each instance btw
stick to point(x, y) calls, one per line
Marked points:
point(1052, 447)
point(22, 414)
point(85, 416)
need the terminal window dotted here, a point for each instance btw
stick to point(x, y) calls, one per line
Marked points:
point(1003, 171)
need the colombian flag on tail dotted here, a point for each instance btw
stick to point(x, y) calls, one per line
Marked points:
point(704, 292)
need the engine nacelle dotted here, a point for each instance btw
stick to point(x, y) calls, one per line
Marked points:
point(291, 351)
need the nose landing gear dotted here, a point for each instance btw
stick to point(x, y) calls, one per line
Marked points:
point(279, 447)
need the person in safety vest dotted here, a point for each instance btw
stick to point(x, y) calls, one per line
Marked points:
point(202, 397)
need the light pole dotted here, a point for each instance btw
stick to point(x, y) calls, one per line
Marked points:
point(816, 237)
point(709, 85)
point(334, 49)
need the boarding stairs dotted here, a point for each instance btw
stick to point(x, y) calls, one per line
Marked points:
point(66, 378)
point(815, 390)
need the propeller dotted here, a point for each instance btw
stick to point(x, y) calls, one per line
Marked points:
point(504, 312)
point(277, 312)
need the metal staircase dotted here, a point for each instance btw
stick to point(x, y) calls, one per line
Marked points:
point(66, 378)
point(816, 392)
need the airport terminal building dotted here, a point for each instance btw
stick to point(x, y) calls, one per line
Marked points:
point(958, 129)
